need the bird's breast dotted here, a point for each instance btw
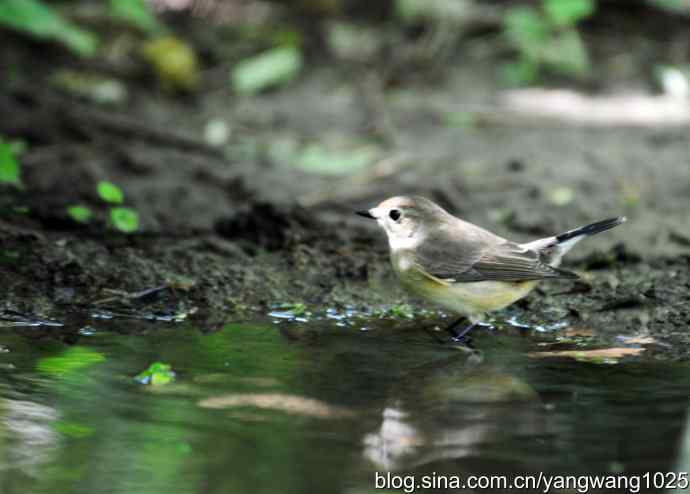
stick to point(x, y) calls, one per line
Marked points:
point(465, 298)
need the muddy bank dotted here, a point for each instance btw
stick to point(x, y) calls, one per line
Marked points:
point(237, 228)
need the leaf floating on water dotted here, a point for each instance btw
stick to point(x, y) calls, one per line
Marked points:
point(291, 404)
point(158, 373)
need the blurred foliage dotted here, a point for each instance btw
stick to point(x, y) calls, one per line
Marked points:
point(10, 172)
point(316, 158)
point(93, 87)
point(174, 61)
point(547, 37)
point(44, 22)
point(413, 11)
point(677, 6)
point(136, 13)
point(73, 430)
point(272, 68)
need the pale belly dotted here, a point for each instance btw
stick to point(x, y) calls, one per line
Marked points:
point(468, 299)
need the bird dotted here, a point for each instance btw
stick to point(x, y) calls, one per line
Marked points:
point(464, 268)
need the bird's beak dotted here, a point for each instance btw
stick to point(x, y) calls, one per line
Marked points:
point(366, 214)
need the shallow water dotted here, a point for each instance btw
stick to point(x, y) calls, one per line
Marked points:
point(318, 407)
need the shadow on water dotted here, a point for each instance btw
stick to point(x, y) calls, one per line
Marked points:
point(314, 407)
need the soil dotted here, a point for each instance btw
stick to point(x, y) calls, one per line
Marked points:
point(233, 230)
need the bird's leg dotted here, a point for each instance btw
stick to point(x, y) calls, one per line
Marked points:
point(451, 327)
point(470, 325)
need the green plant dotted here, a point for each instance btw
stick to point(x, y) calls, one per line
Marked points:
point(271, 68)
point(80, 214)
point(110, 192)
point(547, 37)
point(40, 20)
point(122, 218)
point(10, 171)
point(136, 13)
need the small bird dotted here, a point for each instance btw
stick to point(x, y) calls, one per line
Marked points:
point(463, 267)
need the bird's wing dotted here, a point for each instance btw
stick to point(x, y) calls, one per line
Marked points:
point(481, 257)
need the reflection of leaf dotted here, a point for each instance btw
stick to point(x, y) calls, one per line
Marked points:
point(9, 166)
point(137, 13)
point(292, 404)
point(157, 373)
point(317, 159)
point(272, 68)
point(568, 12)
point(602, 355)
point(73, 429)
point(42, 21)
point(125, 219)
point(70, 361)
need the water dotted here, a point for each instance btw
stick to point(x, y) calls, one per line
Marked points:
point(317, 407)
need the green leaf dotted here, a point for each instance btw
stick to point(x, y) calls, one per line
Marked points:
point(71, 360)
point(125, 219)
point(136, 13)
point(269, 69)
point(80, 214)
point(43, 22)
point(9, 166)
point(318, 159)
point(520, 73)
point(677, 6)
point(527, 30)
point(568, 12)
point(157, 373)
point(110, 192)
point(567, 54)
point(297, 309)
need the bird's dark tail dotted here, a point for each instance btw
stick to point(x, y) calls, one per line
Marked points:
point(593, 229)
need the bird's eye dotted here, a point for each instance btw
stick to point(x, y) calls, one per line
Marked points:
point(395, 214)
